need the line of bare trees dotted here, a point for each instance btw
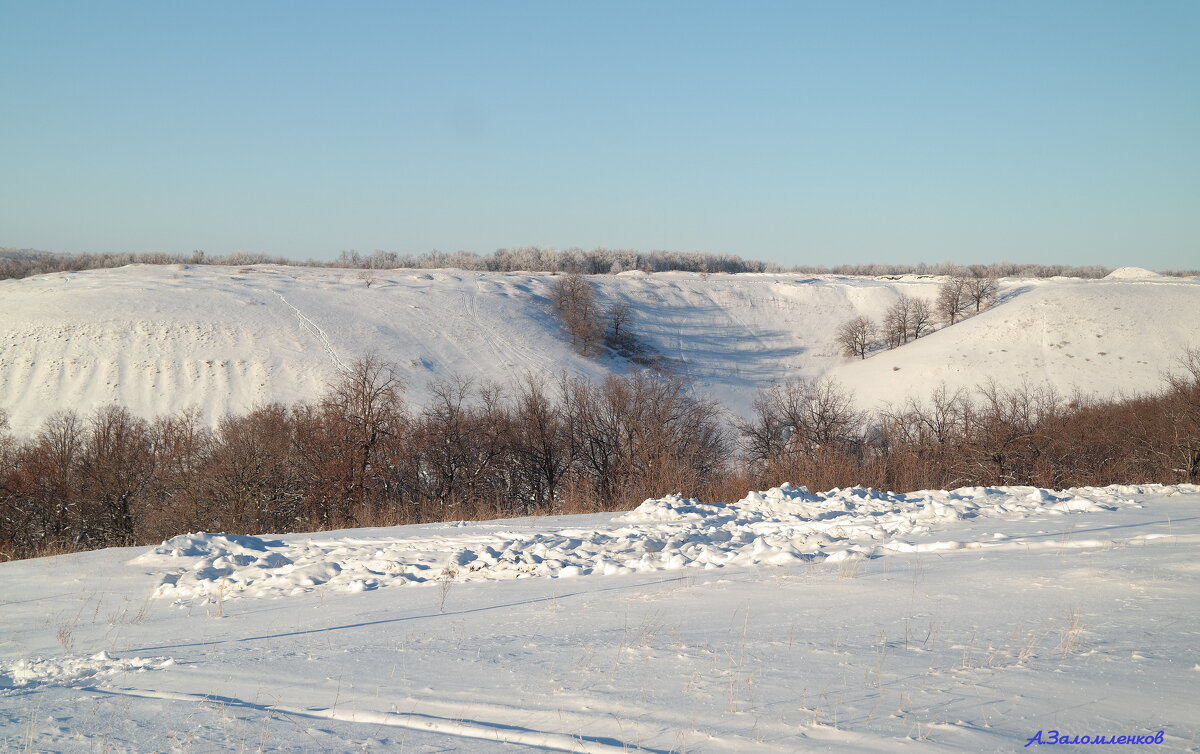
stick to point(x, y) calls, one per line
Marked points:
point(20, 263)
point(361, 456)
point(946, 439)
point(909, 318)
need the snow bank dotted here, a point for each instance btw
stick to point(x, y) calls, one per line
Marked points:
point(776, 527)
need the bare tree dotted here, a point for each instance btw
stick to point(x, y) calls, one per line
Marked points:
point(952, 299)
point(920, 319)
point(541, 451)
point(857, 337)
point(617, 319)
point(116, 465)
point(251, 478)
point(363, 407)
point(897, 321)
point(981, 291)
point(1183, 414)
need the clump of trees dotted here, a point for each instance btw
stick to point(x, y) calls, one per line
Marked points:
point(909, 318)
point(575, 303)
point(597, 328)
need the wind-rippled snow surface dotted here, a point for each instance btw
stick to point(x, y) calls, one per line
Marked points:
point(779, 526)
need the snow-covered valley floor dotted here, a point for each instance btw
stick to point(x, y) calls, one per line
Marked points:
point(850, 621)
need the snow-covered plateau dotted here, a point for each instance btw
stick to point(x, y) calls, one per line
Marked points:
point(852, 620)
point(157, 339)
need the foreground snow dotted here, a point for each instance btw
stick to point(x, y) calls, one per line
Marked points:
point(849, 620)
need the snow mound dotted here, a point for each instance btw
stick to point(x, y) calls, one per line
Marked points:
point(1131, 273)
point(779, 526)
point(220, 552)
point(192, 545)
point(64, 671)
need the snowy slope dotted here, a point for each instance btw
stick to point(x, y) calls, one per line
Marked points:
point(1106, 336)
point(162, 338)
point(852, 620)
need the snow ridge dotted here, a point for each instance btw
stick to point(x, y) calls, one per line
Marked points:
point(779, 526)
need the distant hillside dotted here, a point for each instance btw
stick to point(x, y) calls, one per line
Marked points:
point(162, 338)
point(22, 263)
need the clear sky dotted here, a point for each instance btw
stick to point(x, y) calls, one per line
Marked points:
point(798, 132)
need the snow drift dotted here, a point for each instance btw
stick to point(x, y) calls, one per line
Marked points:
point(780, 526)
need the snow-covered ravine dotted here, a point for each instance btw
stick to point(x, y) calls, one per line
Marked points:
point(780, 526)
point(853, 620)
point(159, 339)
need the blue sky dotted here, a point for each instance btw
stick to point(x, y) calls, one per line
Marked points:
point(800, 132)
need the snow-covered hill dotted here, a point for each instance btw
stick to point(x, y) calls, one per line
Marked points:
point(854, 620)
point(162, 338)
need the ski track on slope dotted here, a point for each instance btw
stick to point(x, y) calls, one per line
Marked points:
point(460, 727)
point(784, 525)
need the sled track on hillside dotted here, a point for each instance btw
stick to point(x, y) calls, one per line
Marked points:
point(315, 330)
point(501, 345)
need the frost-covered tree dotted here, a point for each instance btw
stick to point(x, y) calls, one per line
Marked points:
point(952, 299)
point(920, 318)
point(857, 337)
point(981, 291)
point(897, 321)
